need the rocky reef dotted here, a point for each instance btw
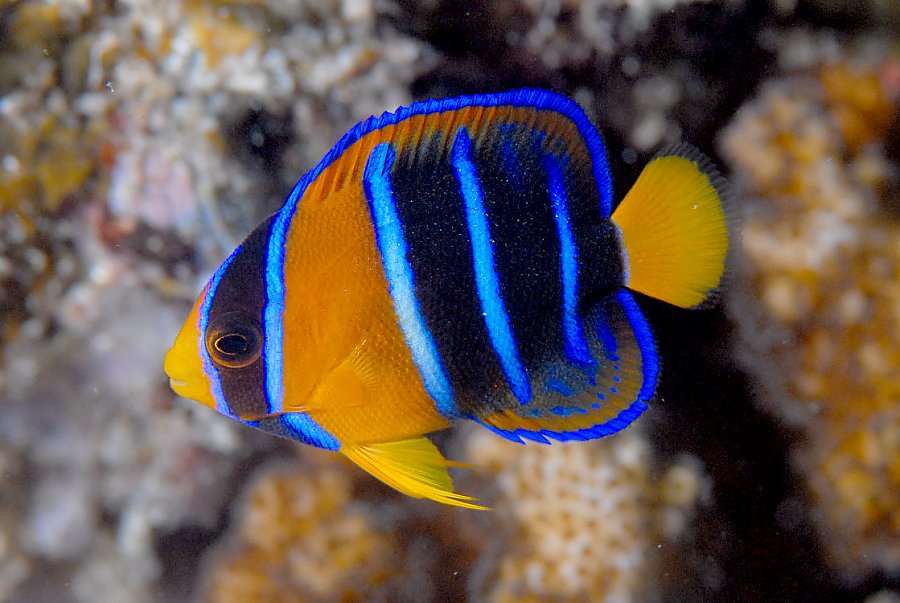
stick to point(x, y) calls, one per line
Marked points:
point(818, 297)
point(139, 141)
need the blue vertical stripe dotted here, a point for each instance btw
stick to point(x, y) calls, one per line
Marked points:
point(212, 372)
point(576, 346)
point(300, 425)
point(486, 278)
point(273, 314)
point(393, 248)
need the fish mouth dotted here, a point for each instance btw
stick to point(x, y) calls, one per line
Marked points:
point(186, 377)
point(176, 382)
point(183, 388)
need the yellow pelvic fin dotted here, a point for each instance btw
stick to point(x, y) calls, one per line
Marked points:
point(414, 467)
point(674, 228)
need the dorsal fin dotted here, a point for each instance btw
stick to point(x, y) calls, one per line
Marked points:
point(561, 120)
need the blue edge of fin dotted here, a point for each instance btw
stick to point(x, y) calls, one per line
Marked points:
point(526, 97)
point(650, 364)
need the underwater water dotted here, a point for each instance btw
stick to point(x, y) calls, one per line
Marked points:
point(140, 141)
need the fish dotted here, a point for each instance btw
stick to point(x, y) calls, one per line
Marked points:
point(455, 260)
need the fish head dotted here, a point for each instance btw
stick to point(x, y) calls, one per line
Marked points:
point(184, 363)
point(217, 357)
point(231, 342)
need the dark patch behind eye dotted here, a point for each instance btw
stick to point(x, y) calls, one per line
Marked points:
point(242, 289)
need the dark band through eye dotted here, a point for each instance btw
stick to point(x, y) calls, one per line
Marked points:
point(234, 340)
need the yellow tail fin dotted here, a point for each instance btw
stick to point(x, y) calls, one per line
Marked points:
point(674, 228)
point(414, 467)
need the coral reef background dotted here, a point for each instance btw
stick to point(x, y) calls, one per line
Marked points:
point(139, 141)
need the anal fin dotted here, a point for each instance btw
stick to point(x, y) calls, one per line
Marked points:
point(414, 467)
point(586, 402)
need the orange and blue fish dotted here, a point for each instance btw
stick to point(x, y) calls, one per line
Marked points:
point(458, 259)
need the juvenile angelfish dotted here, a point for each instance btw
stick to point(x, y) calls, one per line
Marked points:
point(455, 259)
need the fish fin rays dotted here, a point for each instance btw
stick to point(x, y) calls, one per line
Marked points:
point(429, 128)
point(674, 227)
point(346, 386)
point(583, 403)
point(414, 467)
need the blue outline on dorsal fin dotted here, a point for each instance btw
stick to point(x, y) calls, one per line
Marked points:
point(536, 98)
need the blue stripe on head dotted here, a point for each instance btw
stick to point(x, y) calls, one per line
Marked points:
point(297, 426)
point(576, 346)
point(305, 429)
point(649, 356)
point(209, 368)
point(273, 314)
point(486, 279)
point(401, 282)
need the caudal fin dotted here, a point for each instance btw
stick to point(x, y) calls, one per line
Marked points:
point(675, 229)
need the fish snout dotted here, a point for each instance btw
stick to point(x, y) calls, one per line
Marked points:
point(174, 369)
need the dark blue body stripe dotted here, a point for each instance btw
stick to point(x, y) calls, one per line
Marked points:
point(486, 278)
point(432, 212)
point(401, 281)
point(209, 368)
point(576, 345)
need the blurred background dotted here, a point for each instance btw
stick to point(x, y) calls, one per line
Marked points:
point(141, 140)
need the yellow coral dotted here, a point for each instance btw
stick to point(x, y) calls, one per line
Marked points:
point(64, 166)
point(579, 521)
point(301, 537)
point(857, 96)
point(218, 33)
point(825, 263)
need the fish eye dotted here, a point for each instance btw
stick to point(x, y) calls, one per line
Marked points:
point(234, 340)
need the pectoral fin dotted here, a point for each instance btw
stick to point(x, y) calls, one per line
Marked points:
point(345, 387)
point(414, 467)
